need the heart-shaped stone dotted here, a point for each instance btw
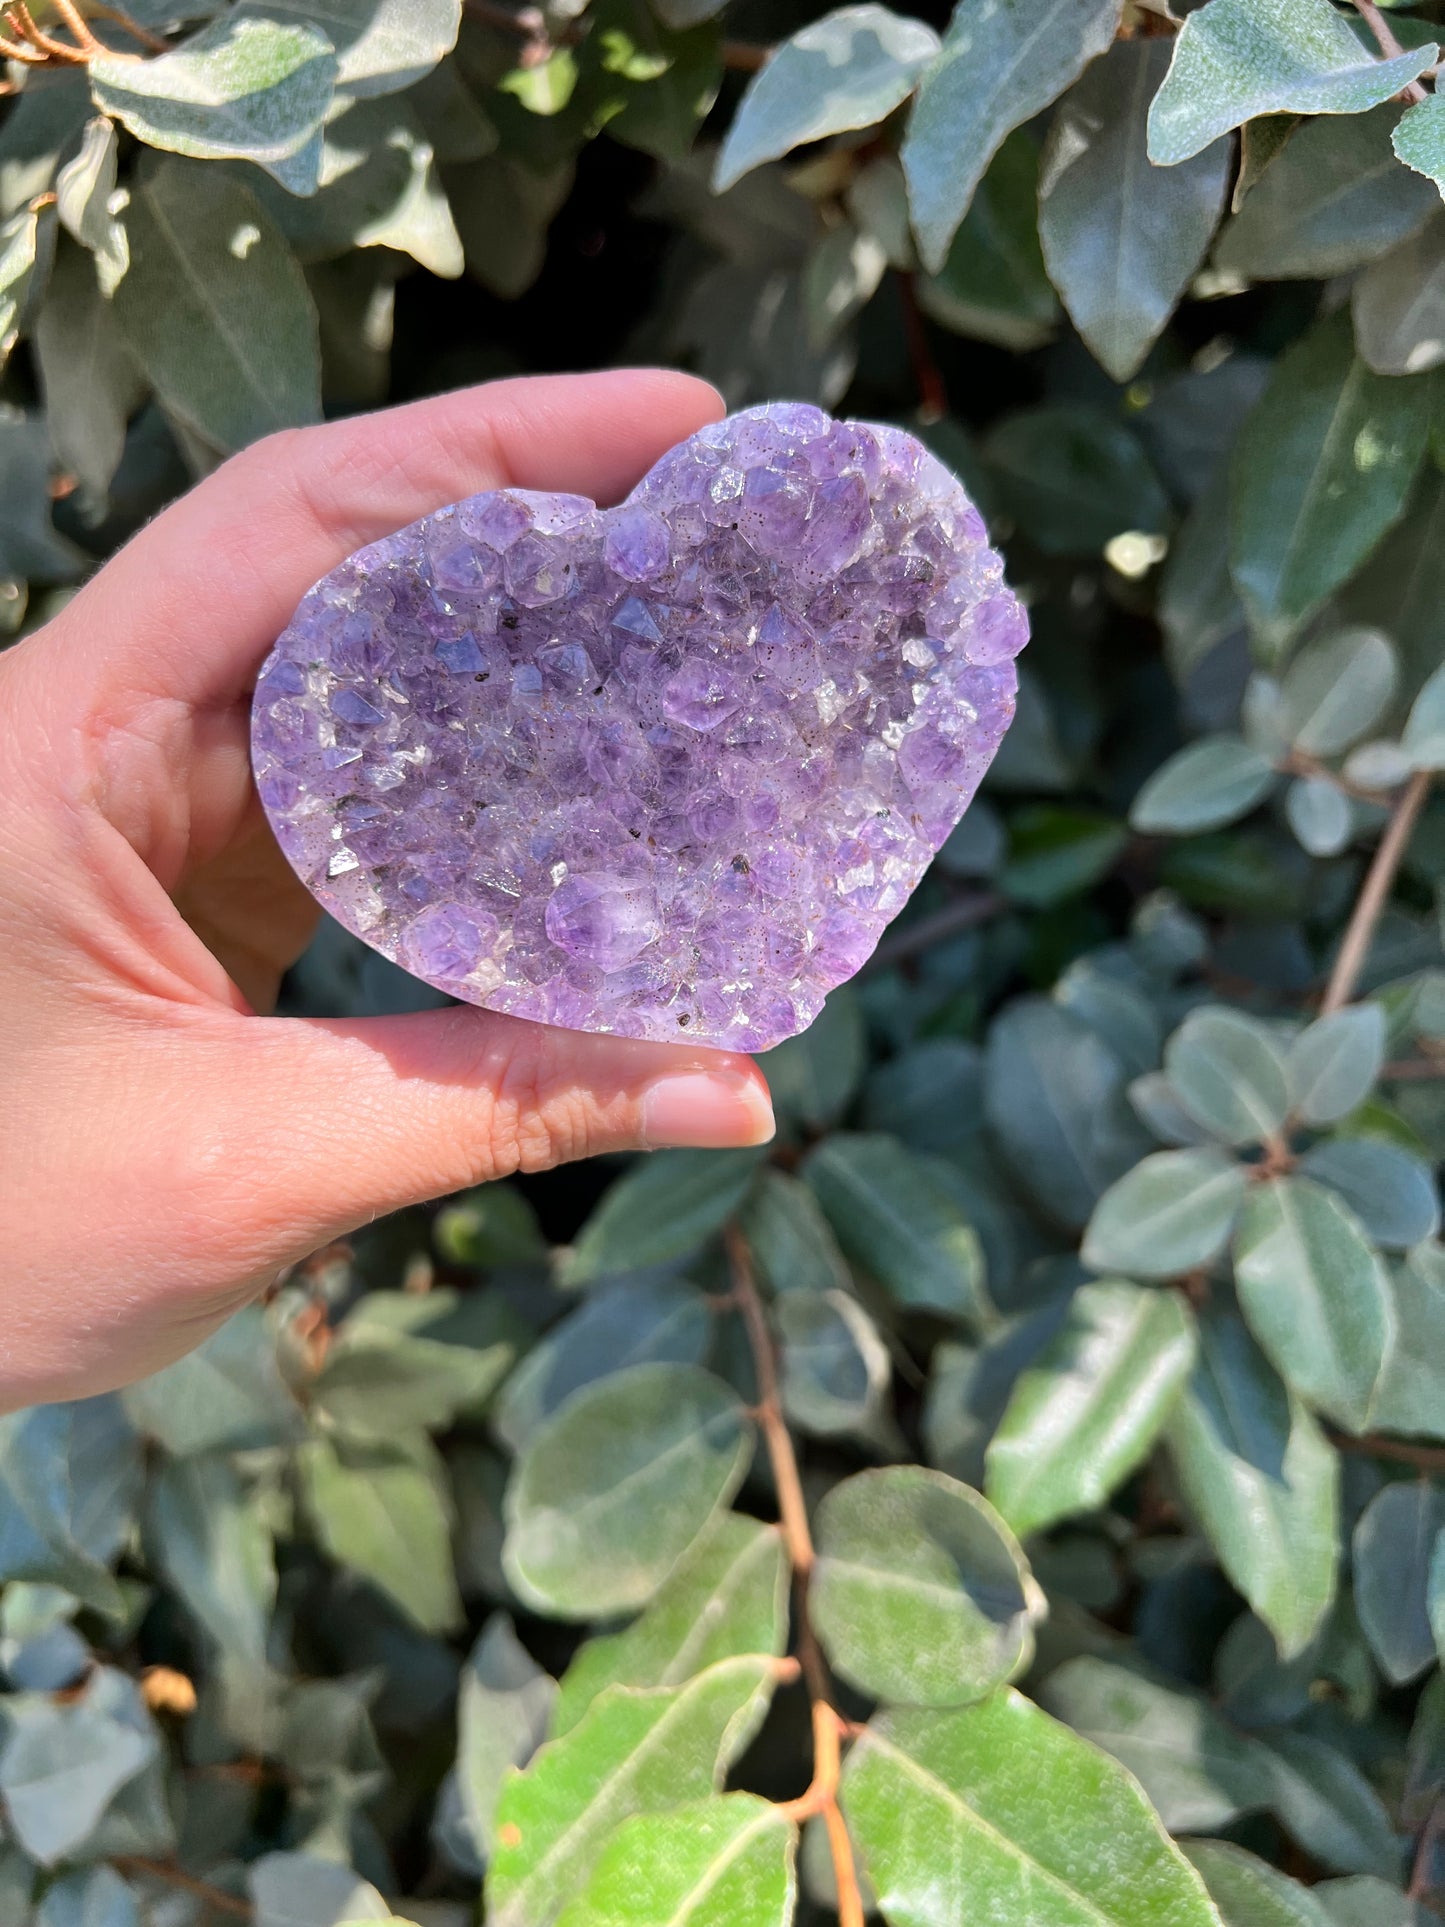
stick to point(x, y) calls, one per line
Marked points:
point(666, 769)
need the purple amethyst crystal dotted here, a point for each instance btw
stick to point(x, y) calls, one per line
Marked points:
point(666, 769)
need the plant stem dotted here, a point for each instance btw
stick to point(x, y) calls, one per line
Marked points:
point(932, 394)
point(216, 1897)
point(1373, 897)
point(829, 1727)
point(951, 921)
point(1385, 38)
point(1424, 1458)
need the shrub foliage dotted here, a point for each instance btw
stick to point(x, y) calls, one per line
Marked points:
point(1020, 1494)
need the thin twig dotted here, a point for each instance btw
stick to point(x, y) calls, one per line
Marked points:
point(1300, 763)
point(1422, 1882)
point(829, 1727)
point(186, 1883)
point(1424, 1458)
point(743, 57)
point(927, 377)
point(1388, 44)
point(951, 921)
point(1413, 1070)
point(1374, 896)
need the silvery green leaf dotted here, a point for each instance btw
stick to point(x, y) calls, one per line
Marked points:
point(813, 1076)
point(1334, 198)
point(1075, 477)
point(84, 188)
point(1399, 305)
point(1087, 1411)
point(921, 1593)
point(1420, 139)
point(1424, 738)
point(722, 1860)
point(1364, 1900)
point(616, 1486)
point(633, 1751)
point(1320, 814)
point(1259, 1476)
point(70, 1478)
point(1330, 1807)
point(1071, 1842)
point(19, 252)
point(1334, 1062)
point(1001, 63)
point(665, 1208)
point(503, 1707)
point(1196, 1768)
point(1392, 1550)
point(970, 1386)
point(214, 307)
point(1213, 782)
point(61, 1764)
point(302, 1890)
point(402, 1362)
point(790, 1239)
point(1336, 689)
point(1228, 1072)
point(243, 88)
point(835, 1366)
point(1379, 765)
point(1157, 1103)
point(1251, 1893)
point(96, 1897)
point(1411, 1392)
point(877, 199)
point(1122, 238)
point(381, 46)
point(1316, 1295)
point(89, 381)
point(383, 1510)
point(215, 1549)
point(726, 1596)
point(1237, 59)
point(849, 69)
point(992, 285)
point(1172, 1213)
point(1391, 1190)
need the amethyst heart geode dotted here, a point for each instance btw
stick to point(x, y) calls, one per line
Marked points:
point(666, 769)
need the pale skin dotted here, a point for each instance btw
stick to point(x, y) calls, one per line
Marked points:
point(166, 1148)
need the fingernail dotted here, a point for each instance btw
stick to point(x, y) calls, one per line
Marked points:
point(706, 1110)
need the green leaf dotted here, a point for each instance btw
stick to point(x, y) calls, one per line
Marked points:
point(618, 1326)
point(97, 1897)
point(632, 1752)
point(215, 308)
point(1199, 607)
point(670, 79)
point(931, 1095)
point(401, 1364)
point(1316, 1295)
point(722, 1863)
point(1213, 782)
point(894, 1216)
point(666, 1207)
point(1322, 470)
point(1320, 814)
point(1074, 478)
point(993, 284)
point(88, 379)
point(20, 249)
point(1334, 199)
point(613, 1489)
point(1251, 1893)
point(726, 1596)
point(1059, 853)
point(789, 1237)
point(62, 1763)
point(835, 1366)
point(70, 1478)
point(1393, 1544)
point(381, 46)
point(1032, 1824)
point(1336, 689)
point(1172, 1213)
point(1002, 62)
point(243, 88)
point(1364, 1900)
point(29, 544)
point(1237, 59)
point(226, 1396)
point(504, 1703)
point(1424, 737)
point(303, 1890)
point(1420, 139)
point(502, 209)
point(1411, 1393)
point(1262, 1481)
point(1229, 1074)
point(1122, 238)
point(1086, 1412)
point(1329, 1806)
point(83, 191)
point(1054, 1097)
point(493, 1225)
point(814, 1076)
point(1390, 1190)
point(1197, 1770)
point(384, 1511)
point(1399, 305)
point(215, 1549)
point(1334, 1062)
point(849, 69)
point(920, 1593)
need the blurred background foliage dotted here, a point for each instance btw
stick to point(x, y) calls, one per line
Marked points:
point(1107, 1192)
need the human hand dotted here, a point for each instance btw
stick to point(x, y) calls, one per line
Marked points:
point(164, 1150)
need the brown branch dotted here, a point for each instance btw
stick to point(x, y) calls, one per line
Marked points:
point(1411, 1070)
point(829, 1727)
point(1385, 39)
point(133, 27)
point(742, 57)
point(186, 1883)
point(1424, 1458)
point(951, 921)
point(1375, 894)
point(932, 394)
point(1300, 763)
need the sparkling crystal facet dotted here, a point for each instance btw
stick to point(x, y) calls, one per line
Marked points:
point(666, 769)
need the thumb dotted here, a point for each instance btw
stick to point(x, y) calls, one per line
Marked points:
point(342, 1121)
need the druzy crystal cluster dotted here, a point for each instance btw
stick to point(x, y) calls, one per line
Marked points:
point(666, 769)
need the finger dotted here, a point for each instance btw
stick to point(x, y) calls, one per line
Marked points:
point(324, 1125)
point(187, 610)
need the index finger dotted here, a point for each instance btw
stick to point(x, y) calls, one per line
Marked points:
point(189, 607)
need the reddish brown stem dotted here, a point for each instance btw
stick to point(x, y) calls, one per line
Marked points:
point(1424, 1458)
point(185, 1883)
point(1375, 895)
point(1386, 41)
point(932, 395)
